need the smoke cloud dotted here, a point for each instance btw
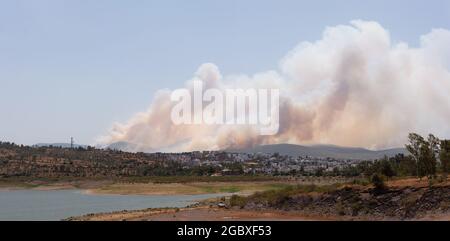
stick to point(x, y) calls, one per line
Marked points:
point(353, 87)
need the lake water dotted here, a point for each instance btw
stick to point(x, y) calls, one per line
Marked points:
point(60, 204)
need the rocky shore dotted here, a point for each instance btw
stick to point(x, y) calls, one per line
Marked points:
point(404, 203)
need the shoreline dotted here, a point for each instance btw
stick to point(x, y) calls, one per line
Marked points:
point(201, 213)
point(207, 213)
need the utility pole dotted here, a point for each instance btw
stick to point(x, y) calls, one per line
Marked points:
point(71, 142)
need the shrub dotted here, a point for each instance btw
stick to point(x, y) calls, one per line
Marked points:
point(377, 182)
point(238, 201)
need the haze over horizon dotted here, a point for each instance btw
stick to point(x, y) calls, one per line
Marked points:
point(358, 75)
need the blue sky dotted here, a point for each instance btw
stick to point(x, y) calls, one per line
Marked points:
point(72, 68)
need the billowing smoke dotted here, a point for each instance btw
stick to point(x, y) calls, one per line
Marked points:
point(353, 87)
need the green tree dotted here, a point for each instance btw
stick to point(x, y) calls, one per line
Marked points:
point(445, 156)
point(416, 142)
point(424, 153)
point(386, 168)
point(433, 153)
point(405, 165)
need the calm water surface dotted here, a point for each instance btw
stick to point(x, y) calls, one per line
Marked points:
point(60, 204)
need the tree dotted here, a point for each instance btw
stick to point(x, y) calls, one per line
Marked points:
point(414, 147)
point(445, 156)
point(405, 165)
point(424, 153)
point(431, 159)
point(386, 168)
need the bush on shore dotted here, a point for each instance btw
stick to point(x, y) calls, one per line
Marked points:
point(377, 182)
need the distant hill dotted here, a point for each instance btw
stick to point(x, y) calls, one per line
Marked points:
point(63, 145)
point(323, 151)
point(122, 146)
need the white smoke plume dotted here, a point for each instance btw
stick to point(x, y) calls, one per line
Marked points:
point(353, 87)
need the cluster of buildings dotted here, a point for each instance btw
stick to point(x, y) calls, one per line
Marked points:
point(257, 163)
